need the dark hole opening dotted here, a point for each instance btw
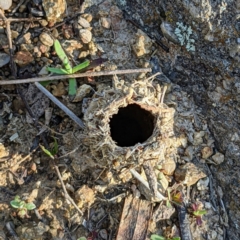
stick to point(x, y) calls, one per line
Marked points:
point(131, 125)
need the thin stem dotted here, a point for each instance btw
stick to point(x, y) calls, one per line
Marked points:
point(145, 183)
point(65, 191)
point(60, 105)
point(78, 75)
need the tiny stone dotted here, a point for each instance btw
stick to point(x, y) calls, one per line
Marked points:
point(5, 4)
point(189, 174)
point(35, 39)
point(213, 234)
point(83, 54)
point(27, 37)
point(105, 22)
point(14, 34)
point(23, 58)
point(83, 22)
point(206, 152)
point(43, 48)
point(54, 10)
point(168, 32)
point(4, 59)
point(46, 39)
point(207, 205)
point(43, 22)
point(22, 8)
point(88, 17)
point(202, 184)
point(55, 33)
point(218, 158)
point(85, 35)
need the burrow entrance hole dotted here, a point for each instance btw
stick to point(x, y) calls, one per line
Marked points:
point(131, 125)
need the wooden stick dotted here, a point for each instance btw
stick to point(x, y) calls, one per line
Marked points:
point(65, 191)
point(60, 105)
point(78, 75)
point(20, 19)
point(145, 183)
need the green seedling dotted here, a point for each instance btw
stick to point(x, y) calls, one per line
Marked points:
point(68, 69)
point(198, 213)
point(22, 206)
point(52, 152)
point(157, 237)
point(174, 197)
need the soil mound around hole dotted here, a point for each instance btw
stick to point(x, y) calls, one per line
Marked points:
point(131, 125)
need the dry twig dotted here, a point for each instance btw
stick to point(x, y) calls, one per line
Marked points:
point(78, 75)
point(9, 36)
point(65, 191)
point(60, 105)
point(145, 183)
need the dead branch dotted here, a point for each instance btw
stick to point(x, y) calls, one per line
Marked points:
point(78, 75)
point(77, 120)
point(65, 191)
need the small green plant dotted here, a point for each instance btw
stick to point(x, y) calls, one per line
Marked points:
point(157, 237)
point(68, 69)
point(53, 151)
point(22, 206)
point(174, 197)
point(198, 212)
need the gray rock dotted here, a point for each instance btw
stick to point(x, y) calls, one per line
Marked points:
point(168, 32)
point(4, 59)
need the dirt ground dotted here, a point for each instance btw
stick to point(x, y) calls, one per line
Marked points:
point(179, 129)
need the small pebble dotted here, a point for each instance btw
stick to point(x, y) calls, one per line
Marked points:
point(206, 152)
point(43, 23)
point(83, 22)
point(5, 4)
point(85, 35)
point(203, 184)
point(22, 8)
point(105, 22)
point(4, 59)
point(218, 158)
point(55, 33)
point(88, 17)
point(46, 39)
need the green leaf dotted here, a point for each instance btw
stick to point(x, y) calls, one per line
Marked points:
point(55, 147)
point(157, 237)
point(81, 66)
point(15, 204)
point(62, 55)
point(47, 151)
point(199, 213)
point(72, 87)
point(22, 204)
point(82, 238)
point(45, 83)
point(30, 206)
point(57, 70)
point(176, 238)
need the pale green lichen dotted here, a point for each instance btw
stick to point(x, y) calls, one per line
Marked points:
point(183, 34)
